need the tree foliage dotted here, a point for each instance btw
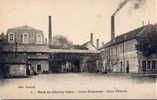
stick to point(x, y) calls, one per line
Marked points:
point(3, 40)
point(147, 42)
point(60, 42)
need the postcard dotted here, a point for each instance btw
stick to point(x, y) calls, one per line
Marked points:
point(78, 49)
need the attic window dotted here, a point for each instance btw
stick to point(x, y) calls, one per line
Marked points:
point(25, 38)
point(39, 39)
point(11, 37)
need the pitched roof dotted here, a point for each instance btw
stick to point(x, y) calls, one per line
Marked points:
point(78, 47)
point(129, 35)
point(43, 48)
point(25, 27)
point(88, 43)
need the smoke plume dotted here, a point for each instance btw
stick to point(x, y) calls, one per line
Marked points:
point(121, 5)
point(136, 4)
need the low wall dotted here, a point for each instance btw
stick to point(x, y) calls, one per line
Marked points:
point(17, 70)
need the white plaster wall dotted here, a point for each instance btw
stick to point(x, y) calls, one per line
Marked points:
point(17, 70)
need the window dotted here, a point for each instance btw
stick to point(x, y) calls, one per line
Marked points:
point(121, 68)
point(153, 64)
point(117, 51)
point(32, 38)
point(39, 39)
point(111, 53)
point(39, 54)
point(144, 65)
point(25, 38)
point(121, 48)
point(148, 64)
point(11, 38)
point(127, 66)
point(39, 67)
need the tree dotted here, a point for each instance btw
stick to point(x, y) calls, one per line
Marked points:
point(2, 43)
point(60, 42)
point(147, 42)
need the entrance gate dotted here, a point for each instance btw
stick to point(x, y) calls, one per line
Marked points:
point(64, 63)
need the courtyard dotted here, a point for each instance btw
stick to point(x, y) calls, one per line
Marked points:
point(79, 85)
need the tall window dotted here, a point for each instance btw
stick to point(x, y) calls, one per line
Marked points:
point(144, 65)
point(121, 68)
point(25, 38)
point(117, 52)
point(39, 67)
point(153, 64)
point(39, 39)
point(11, 38)
point(148, 64)
point(32, 37)
point(121, 48)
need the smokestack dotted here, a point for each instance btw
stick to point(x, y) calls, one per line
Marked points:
point(97, 43)
point(91, 38)
point(112, 27)
point(50, 32)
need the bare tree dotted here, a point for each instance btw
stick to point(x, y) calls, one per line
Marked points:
point(61, 42)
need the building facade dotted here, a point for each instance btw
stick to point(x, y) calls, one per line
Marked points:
point(22, 44)
point(121, 53)
point(30, 55)
point(25, 35)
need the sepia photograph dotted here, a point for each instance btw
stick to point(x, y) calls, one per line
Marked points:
point(78, 49)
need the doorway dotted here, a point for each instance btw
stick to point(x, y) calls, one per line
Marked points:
point(121, 66)
point(127, 66)
point(39, 67)
point(76, 66)
point(144, 66)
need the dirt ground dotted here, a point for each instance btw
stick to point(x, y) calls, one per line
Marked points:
point(80, 86)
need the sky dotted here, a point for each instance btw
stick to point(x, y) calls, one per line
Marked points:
point(76, 19)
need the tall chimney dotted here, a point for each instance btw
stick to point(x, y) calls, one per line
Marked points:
point(50, 32)
point(112, 27)
point(91, 38)
point(97, 43)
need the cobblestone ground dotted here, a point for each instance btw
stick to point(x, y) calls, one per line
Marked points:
point(79, 85)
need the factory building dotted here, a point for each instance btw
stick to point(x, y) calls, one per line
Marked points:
point(121, 53)
point(26, 52)
point(18, 55)
point(25, 35)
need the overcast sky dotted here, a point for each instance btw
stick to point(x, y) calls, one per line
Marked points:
point(75, 19)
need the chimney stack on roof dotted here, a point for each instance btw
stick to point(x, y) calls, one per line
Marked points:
point(112, 27)
point(97, 43)
point(50, 32)
point(91, 38)
point(143, 23)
